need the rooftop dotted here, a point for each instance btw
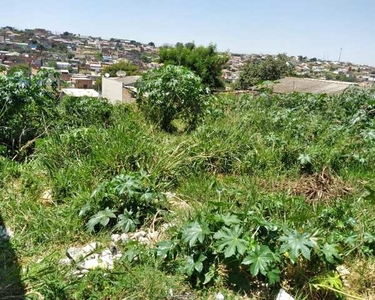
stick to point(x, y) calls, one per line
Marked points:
point(127, 80)
point(307, 85)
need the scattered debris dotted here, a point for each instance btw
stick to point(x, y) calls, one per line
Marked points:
point(343, 272)
point(87, 258)
point(5, 233)
point(283, 295)
point(141, 236)
point(46, 197)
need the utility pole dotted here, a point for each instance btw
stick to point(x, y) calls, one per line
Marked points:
point(340, 55)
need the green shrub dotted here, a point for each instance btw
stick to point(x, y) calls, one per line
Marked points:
point(206, 62)
point(130, 198)
point(27, 108)
point(171, 93)
point(257, 71)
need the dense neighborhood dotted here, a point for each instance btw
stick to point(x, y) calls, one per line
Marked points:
point(80, 60)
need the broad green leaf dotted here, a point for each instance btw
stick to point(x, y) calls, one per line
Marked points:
point(273, 276)
point(209, 275)
point(331, 252)
point(296, 243)
point(331, 279)
point(126, 184)
point(126, 222)
point(228, 219)
point(84, 209)
point(194, 232)
point(132, 253)
point(102, 218)
point(304, 159)
point(163, 248)
point(199, 263)
point(230, 241)
point(148, 197)
point(259, 260)
point(191, 264)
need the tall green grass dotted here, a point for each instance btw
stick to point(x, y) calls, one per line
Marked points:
point(243, 141)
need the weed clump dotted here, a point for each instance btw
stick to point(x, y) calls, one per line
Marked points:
point(321, 187)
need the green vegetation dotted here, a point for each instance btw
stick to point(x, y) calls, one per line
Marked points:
point(171, 93)
point(267, 192)
point(206, 62)
point(25, 69)
point(27, 106)
point(257, 71)
point(126, 66)
point(341, 77)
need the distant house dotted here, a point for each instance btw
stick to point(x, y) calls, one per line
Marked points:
point(96, 67)
point(79, 93)
point(119, 89)
point(64, 75)
point(82, 82)
point(62, 65)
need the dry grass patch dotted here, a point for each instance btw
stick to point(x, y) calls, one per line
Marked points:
point(322, 187)
point(361, 279)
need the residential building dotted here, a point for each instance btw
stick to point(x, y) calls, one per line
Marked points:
point(62, 65)
point(119, 89)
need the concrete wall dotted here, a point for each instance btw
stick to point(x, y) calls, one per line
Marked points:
point(112, 90)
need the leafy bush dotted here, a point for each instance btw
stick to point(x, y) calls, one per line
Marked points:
point(27, 107)
point(171, 93)
point(241, 242)
point(204, 61)
point(23, 68)
point(256, 71)
point(132, 199)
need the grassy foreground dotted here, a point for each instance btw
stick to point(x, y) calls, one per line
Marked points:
point(270, 191)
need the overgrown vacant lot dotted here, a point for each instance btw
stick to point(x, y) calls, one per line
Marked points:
point(270, 191)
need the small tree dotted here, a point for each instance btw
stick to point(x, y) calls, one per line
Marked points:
point(206, 62)
point(172, 92)
point(256, 71)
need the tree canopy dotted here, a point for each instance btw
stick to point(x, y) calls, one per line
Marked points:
point(123, 65)
point(256, 71)
point(206, 62)
point(25, 69)
point(172, 92)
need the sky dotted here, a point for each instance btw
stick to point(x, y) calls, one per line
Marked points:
point(313, 28)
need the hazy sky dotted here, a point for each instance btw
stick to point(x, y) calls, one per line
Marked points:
point(314, 28)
